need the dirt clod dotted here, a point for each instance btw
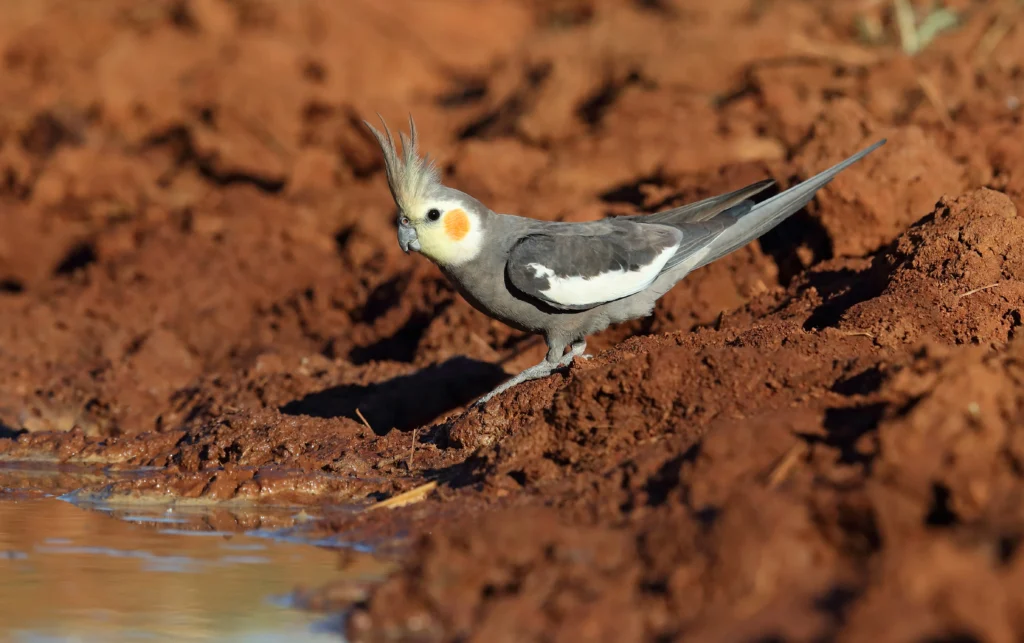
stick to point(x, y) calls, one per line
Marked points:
point(816, 438)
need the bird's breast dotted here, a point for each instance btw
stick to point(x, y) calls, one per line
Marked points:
point(485, 290)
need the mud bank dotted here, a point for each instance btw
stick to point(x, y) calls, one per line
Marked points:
point(818, 437)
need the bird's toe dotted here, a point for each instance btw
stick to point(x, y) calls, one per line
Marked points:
point(481, 401)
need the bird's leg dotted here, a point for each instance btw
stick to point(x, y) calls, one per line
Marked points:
point(537, 372)
point(554, 360)
point(575, 350)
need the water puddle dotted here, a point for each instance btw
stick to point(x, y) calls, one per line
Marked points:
point(77, 573)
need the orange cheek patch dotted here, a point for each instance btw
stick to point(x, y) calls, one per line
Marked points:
point(456, 225)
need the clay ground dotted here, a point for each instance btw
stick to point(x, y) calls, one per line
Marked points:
point(820, 437)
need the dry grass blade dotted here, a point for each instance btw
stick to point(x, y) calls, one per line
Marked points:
point(906, 25)
point(849, 55)
point(786, 464)
point(976, 290)
point(935, 23)
point(362, 418)
point(412, 496)
point(859, 333)
point(914, 35)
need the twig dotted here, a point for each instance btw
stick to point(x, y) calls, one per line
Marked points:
point(412, 451)
point(414, 495)
point(786, 464)
point(858, 333)
point(363, 418)
point(971, 292)
point(849, 55)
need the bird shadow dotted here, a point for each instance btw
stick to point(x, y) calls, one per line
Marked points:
point(404, 402)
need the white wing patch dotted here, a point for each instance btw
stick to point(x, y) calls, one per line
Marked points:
point(605, 286)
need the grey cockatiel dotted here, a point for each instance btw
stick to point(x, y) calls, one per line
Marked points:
point(569, 280)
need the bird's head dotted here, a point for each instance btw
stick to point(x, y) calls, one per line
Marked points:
point(442, 223)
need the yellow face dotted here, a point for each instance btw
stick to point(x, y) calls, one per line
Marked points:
point(445, 232)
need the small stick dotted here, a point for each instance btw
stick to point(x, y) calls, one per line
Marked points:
point(786, 464)
point(971, 292)
point(363, 418)
point(853, 56)
point(859, 333)
point(412, 451)
point(416, 494)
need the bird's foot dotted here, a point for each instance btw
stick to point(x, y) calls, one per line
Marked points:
point(537, 372)
point(575, 350)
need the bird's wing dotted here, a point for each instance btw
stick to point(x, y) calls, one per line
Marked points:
point(706, 209)
point(577, 266)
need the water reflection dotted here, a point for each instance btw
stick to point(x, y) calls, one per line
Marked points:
point(69, 573)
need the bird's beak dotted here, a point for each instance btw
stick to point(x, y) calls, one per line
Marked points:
point(407, 238)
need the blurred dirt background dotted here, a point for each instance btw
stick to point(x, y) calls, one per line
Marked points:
point(820, 437)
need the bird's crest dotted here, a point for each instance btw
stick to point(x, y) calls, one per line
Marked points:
point(410, 178)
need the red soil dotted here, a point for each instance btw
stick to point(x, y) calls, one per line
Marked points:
point(820, 437)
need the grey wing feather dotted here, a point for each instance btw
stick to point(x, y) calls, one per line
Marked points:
point(741, 222)
point(708, 208)
point(579, 252)
point(697, 237)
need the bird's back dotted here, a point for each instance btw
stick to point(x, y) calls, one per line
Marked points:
point(559, 297)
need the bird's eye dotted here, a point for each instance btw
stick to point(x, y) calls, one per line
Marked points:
point(434, 214)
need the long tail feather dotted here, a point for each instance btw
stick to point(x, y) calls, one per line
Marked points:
point(769, 213)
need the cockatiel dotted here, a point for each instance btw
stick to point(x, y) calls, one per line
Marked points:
point(569, 280)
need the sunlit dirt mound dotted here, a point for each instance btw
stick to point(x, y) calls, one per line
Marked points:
point(815, 438)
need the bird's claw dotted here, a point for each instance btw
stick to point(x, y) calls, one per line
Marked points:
point(539, 371)
point(483, 400)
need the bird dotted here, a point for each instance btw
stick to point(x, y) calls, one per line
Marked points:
point(569, 280)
